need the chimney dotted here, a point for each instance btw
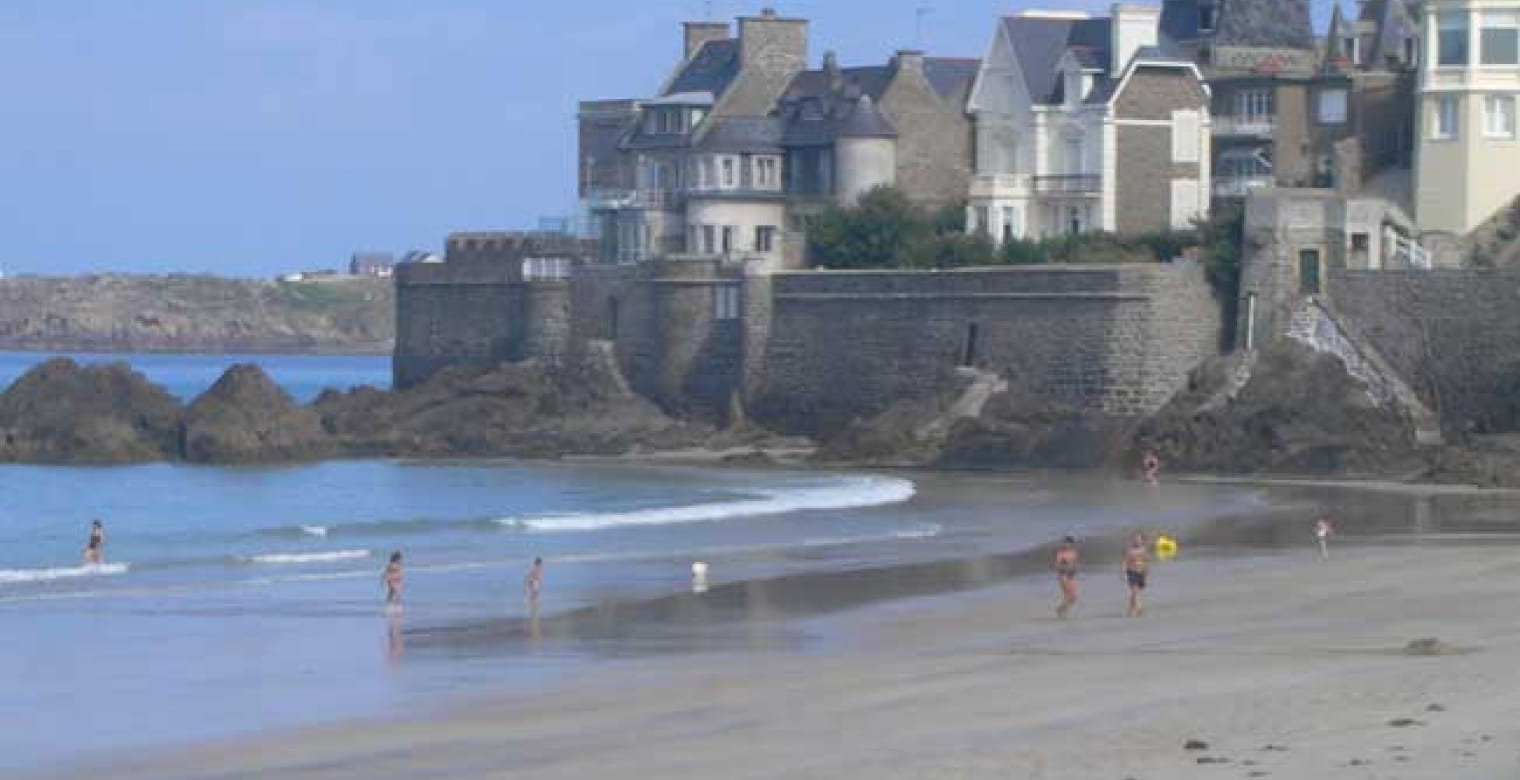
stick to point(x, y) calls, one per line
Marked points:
point(831, 72)
point(1133, 28)
point(698, 33)
point(771, 42)
point(909, 60)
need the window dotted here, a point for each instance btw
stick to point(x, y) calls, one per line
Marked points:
point(1184, 203)
point(1349, 48)
point(1205, 18)
point(709, 239)
point(1500, 41)
point(1499, 116)
point(980, 222)
point(1009, 216)
point(1308, 271)
point(728, 239)
point(729, 177)
point(1332, 107)
point(709, 177)
point(1074, 161)
point(765, 238)
point(1185, 136)
point(726, 302)
point(1254, 105)
point(767, 173)
point(1451, 39)
point(1411, 51)
point(1446, 119)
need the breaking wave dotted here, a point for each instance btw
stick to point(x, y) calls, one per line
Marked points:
point(63, 572)
point(299, 558)
point(849, 493)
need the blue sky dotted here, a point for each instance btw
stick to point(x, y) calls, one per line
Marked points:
point(249, 137)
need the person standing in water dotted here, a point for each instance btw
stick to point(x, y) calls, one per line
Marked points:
point(1137, 565)
point(393, 578)
point(1066, 575)
point(533, 583)
point(94, 549)
point(1323, 531)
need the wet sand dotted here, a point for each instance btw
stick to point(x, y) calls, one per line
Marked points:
point(1285, 665)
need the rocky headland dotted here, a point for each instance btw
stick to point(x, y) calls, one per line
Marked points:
point(196, 313)
point(1296, 412)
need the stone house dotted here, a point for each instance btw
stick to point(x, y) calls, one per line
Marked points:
point(1086, 124)
point(742, 144)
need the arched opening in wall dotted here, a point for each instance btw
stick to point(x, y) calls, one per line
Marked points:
point(610, 327)
point(968, 352)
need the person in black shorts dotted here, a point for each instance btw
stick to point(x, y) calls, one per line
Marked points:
point(1066, 575)
point(94, 550)
point(1137, 564)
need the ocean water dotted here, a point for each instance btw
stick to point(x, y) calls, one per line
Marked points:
point(237, 600)
point(186, 376)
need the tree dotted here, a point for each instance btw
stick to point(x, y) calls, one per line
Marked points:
point(875, 233)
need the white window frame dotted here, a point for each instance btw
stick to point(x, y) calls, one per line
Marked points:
point(1499, 21)
point(728, 172)
point(1504, 129)
point(1440, 129)
point(1186, 135)
point(1254, 104)
point(1184, 203)
point(1447, 21)
point(1331, 107)
point(765, 238)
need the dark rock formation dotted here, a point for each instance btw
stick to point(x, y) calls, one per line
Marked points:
point(246, 418)
point(62, 412)
point(1023, 431)
point(1299, 412)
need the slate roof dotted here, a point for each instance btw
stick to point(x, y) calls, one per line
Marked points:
point(711, 69)
point(1265, 24)
point(1396, 21)
point(1179, 21)
point(951, 76)
point(1039, 43)
point(740, 134)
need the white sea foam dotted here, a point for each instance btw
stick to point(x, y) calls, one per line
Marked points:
point(846, 493)
point(63, 572)
point(311, 557)
point(314, 530)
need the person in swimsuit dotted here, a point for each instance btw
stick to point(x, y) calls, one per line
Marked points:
point(1066, 575)
point(1323, 531)
point(1150, 466)
point(94, 550)
point(1137, 564)
point(533, 584)
point(393, 579)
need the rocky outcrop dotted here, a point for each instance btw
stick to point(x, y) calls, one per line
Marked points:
point(246, 418)
point(196, 313)
point(62, 412)
point(1299, 412)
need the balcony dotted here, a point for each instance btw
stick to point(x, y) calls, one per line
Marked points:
point(1240, 186)
point(1073, 184)
point(606, 200)
point(999, 185)
point(746, 192)
point(1251, 126)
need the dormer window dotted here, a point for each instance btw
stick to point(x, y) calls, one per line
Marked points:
point(1349, 48)
point(1206, 18)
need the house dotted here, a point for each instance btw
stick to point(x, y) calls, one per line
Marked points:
point(379, 264)
point(1087, 124)
point(1469, 79)
point(743, 144)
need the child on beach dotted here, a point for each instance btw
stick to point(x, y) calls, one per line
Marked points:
point(1323, 531)
point(533, 584)
point(1066, 575)
point(393, 578)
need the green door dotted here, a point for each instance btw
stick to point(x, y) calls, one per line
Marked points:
point(1308, 271)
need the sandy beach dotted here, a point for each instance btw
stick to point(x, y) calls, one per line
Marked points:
point(1285, 665)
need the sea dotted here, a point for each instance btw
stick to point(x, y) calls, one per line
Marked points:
point(242, 600)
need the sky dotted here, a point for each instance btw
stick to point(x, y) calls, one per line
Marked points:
point(255, 137)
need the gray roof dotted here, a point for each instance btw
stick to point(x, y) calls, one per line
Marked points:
point(951, 76)
point(710, 70)
point(864, 120)
point(740, 134)
point(1039, 43)
point(1179, 21)
point(1265, 24)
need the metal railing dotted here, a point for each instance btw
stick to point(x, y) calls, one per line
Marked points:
point(1068, 184)
point(1240, 186)
point(1243, 125)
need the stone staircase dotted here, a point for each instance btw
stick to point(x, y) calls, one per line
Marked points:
point(1244, 362)
point(1316, 327)
point(982, 386)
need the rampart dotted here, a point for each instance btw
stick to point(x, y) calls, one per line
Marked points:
point(1120, 339)
point(1453, 334)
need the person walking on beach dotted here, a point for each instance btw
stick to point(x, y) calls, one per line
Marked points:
point(1066, 575)
point(1137, 564)
point(393, 578)
point(1322, 532)
point(533, 584)
point(94, 549)
point(1150, 467)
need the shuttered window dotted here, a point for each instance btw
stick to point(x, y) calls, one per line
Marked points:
point(1185, 136)
point(1184, 203)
